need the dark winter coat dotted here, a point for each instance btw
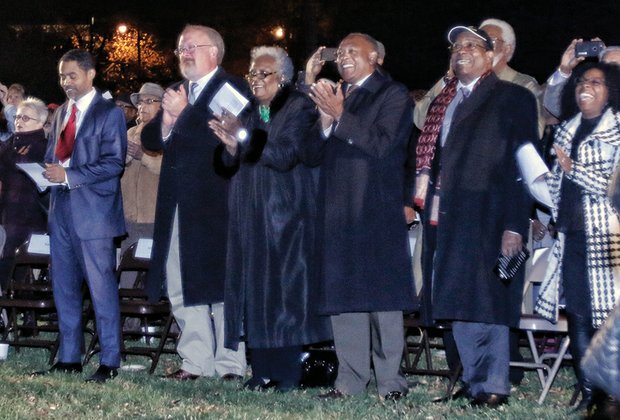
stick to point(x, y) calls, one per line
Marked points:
point(190, 181)
point(366, 265)
point(271, 282)
point(23, 209)
point(481, 197)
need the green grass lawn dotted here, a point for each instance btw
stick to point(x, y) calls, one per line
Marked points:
point(140, 395)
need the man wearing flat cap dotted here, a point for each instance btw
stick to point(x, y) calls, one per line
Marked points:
point(141, 177)
point(474, 208)
point(130, 111)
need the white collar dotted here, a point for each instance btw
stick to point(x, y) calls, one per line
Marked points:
point(469, 86)
point(202, 82)
point(84, 102)
point(361, 82)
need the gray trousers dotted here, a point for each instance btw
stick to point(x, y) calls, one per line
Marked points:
point(360, 336)
point(485, 355)
point(201, 345)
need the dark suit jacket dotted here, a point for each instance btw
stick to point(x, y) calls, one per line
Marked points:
point(94, 174)
point(481, 197)
point(362, 232)
point(190, 181)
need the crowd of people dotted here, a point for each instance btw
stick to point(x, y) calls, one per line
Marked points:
point(285, 224)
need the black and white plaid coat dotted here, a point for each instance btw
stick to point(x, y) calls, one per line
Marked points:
point(597, 160)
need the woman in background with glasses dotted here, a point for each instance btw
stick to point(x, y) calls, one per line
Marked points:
point(271, 289)
point(586, 255)
point(23, 208)
point(141, 177)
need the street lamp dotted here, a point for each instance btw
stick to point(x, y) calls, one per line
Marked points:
point(123, 29)
point(278, 33)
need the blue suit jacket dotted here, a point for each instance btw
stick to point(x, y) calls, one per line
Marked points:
point(94, 173)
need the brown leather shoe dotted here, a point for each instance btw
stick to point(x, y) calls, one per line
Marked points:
point(231, 377)
point(181, 375)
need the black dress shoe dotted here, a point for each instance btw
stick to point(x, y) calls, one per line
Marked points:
point(332, 394)
point(394, 396)
point(232, 377)
point(459, 394)
point(607, 408)
point(488, 400)
point(259, 384)
point(103, 374)
point(61, 367)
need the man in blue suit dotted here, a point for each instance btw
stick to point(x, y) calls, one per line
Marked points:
point(85, 156)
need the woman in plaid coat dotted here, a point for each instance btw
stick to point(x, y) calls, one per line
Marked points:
point(585, 262)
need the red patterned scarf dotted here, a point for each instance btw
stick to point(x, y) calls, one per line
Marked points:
point(427, 143)
point(425, 150)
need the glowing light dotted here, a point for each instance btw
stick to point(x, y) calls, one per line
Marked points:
point(278, 32)
point(122, 28)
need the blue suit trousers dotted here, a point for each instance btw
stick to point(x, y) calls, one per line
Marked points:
point(74, 260)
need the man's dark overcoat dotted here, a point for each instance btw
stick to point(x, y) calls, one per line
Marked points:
point(362, 232)
point(190, 181)
point(481, 196)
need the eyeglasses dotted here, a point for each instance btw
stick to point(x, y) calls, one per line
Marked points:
point(190, 49)
point(125, 106)
point(467, 46)
point(260, 75)
point(25, 118)
point(148, 101)
point(595, 83)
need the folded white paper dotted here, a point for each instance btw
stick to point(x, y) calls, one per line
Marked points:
point(35, 172)
point(533, 170)
point(143, 249)
point(228, 98)
point(39, 244)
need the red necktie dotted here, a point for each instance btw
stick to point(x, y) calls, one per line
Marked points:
point(64, 148)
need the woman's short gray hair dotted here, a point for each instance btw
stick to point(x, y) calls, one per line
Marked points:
point(37, 105)
point(283, 61)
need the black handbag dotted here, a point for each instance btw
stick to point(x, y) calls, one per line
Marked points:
point(319, 368)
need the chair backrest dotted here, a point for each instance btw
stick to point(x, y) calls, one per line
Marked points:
point(537, 323)
point(535, 276)
point(30, 268)
point(23, 257)
point(129, 263)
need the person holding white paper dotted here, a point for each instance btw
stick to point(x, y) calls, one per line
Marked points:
point(22, 206)
point(189, 241)
point(271, 289)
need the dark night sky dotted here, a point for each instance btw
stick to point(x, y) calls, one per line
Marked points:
point(413, 31)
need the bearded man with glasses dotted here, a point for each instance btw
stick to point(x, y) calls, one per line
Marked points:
point(189, 241)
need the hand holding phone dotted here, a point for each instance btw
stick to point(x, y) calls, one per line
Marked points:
point(589, 48)
point(328, 54)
